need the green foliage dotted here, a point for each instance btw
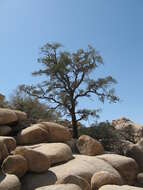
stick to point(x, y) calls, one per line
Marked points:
point(69, 77)
point(3, 102)
point(110, 138)
point(32, 106)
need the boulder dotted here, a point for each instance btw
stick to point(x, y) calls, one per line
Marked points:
point(43, 132)
point(7, 116)
point(10, 142)
point(89, 146)
point(5, 130)
point(7, 144)
point(21, 116)
point(32, 135)
point(140, 178)
point(103, 178)
point(135, 151)
point(116, 187)
point(56, 152)
point(15, 164)
point(9, 182)
point(72, 179)
point(57, 133)
point(60, 187)
point(37, 161)
point(81, 165)
point(129, 129)
point(127, 167)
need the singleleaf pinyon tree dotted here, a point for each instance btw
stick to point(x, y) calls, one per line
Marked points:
point(68, 78)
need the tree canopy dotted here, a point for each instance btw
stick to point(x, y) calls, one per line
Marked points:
point(68, 77)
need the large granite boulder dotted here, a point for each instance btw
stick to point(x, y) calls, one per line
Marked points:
point(56, 152)
point(89, 146)
point(116, 187)
point(9, 182)
point(7, 144)
point(43, 132)
point(83, 166)
point(72, 179)
point(37, 161)
point(5, 130)
point(127, 167)
point(103, 178)
point(60, 187)
point(7, 116)
point(135, 151)
point(15, 164)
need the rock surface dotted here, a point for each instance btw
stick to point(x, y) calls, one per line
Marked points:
point(115, 187)
point(5, 130)
point(7, 116)
point(83, 166)
point(9, 182)
point(72, 179)
point(60, 187)
point(127, 167)
point(89, 146)
point(15, 164)
point(37, 161)
point(103, 178)
point(43, 132)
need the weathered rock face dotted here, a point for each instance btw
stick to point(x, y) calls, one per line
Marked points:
point(37, 161)
point(60, 187)
point(127, 167)
point(56, 152)
point(115, 187)
point(83, 166)
point(5, 130)
point(43, 132)
point(7, 144)
point(15, 164)
point(135, 151)
point(71, 179)
point(7, 116)
point(140, 178)
point(9, 182)
point(21, 116)
point(103, 178)
point(89, 146)
point(130, 129)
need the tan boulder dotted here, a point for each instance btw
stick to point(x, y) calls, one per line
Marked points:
point(7, 116)
point(103, 178)
point(21, 116)
point(57, 132)
point(60, 187)
point(15, 164)
point(43, 132)
point(37, 161)
point(32, 135)
point(3, 151)
point(116, 187)
point(9, 182)
point(56, 152)
point(89, 146)
point(140, 178)
point(81, 165)
point(127, 167)
point(72, 179)
point(135, 151)
point(10, 142)
point(5, 130)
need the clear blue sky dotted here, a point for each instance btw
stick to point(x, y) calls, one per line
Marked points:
point(114, 27)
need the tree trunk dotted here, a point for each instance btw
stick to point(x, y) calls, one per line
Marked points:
point(75, 127)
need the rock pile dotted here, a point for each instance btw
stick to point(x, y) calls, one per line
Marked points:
point(40, 158)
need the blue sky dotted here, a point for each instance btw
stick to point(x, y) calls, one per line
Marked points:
point(114, 27)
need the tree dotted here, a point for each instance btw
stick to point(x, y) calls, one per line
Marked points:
point(68, 77)
point(32, 106)
point(3, 103)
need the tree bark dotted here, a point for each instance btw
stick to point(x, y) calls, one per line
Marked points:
point(75, 126)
